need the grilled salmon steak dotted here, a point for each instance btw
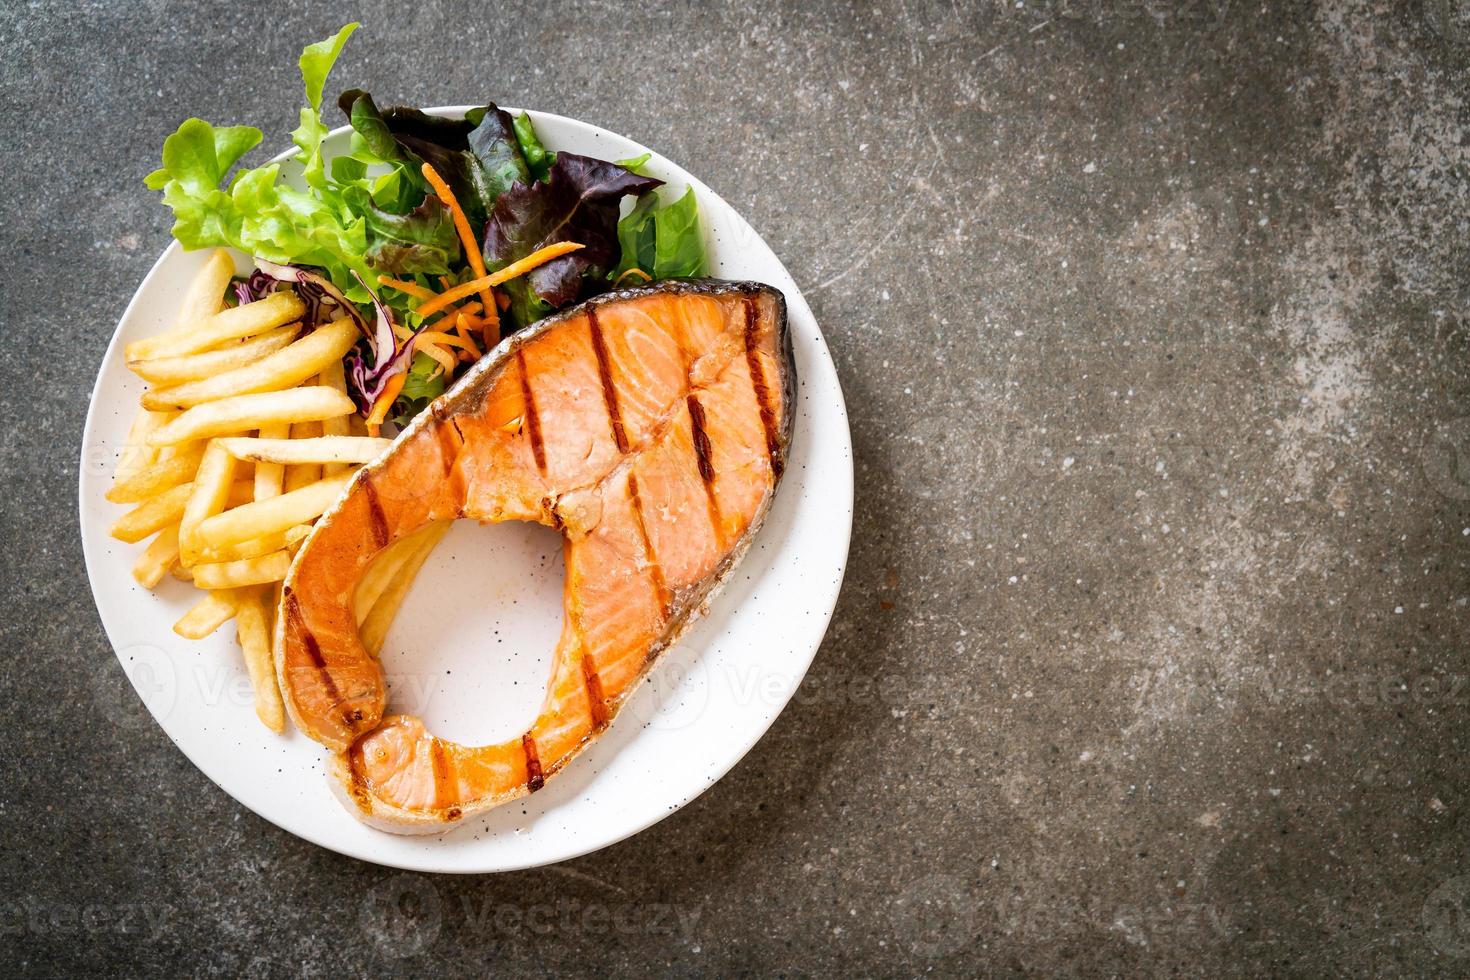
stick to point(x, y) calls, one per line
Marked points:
point(649, 426)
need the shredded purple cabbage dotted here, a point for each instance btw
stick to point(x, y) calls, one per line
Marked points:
point(256, 287)
point(314, 289)
point(368, 370)
point(366, 383)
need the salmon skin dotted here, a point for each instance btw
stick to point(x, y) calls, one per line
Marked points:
point(650, 426)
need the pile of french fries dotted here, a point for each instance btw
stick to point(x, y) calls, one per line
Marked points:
point(244, 437)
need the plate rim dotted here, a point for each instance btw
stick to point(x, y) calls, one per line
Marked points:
point(796, 299)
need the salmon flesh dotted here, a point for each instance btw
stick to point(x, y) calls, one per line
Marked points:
point(650, 426)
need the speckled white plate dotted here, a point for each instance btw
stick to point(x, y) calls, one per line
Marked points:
point(481, 677)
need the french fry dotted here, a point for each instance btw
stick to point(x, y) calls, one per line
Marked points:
point(210, 363)
point(275, 310)
point(136, 453)
point(341, 450)
point(241, 413)
point(381, 573)
point(155, 561)
point(247, 571)
point(179, 467)
point(253, 622)
point(204, 297)
point(276, 514)
point(303, 474)
point(285, 368)
point(334, 377)
point(211, 490)
point(153, 514)
point(296, 536)
point(269, 477)
point(207, 615)
point(254, 548)
point(374, 628)
point(231, 512)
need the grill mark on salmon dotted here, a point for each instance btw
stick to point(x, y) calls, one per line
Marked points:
point(381, 533)
point(357, 783)
point(706, 468)
point(616, 423)
point(444, 781)
point(701, 440)
point(533, 420)
point(451, 445)
point(594, 694)
point(534, 779)
point(609, 390)
point(655, 570)
point(314, 654)
point(762, 392)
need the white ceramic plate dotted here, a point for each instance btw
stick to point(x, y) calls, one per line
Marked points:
point(480, 677)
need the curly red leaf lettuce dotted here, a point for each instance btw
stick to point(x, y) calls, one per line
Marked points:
point(578, 202)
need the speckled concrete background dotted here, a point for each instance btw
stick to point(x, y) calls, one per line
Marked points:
point(1152, 656)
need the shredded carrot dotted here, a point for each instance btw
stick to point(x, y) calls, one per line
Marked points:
point(449, 314)
point(490, 329)
point(462, 327)
point(385, 401)
point(461, 225)
point(490, 325)
point(445, 359)
point(411, 288)
point(442, 339)
point(401, 332)
point(519, 268)
point(635, 271)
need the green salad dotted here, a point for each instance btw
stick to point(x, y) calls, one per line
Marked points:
point(438, 236)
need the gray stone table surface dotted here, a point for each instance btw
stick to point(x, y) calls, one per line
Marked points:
point(1152, 653)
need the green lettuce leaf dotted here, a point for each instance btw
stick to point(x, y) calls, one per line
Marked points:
point(374, 143)
point(420, 388)
point(538, 161)
point(259, 212)
point(196, 158)
point(316, 63)
point(636, 238)
point(679, 242)
point(664, 242)
point(636, 164)
point(422, 241)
